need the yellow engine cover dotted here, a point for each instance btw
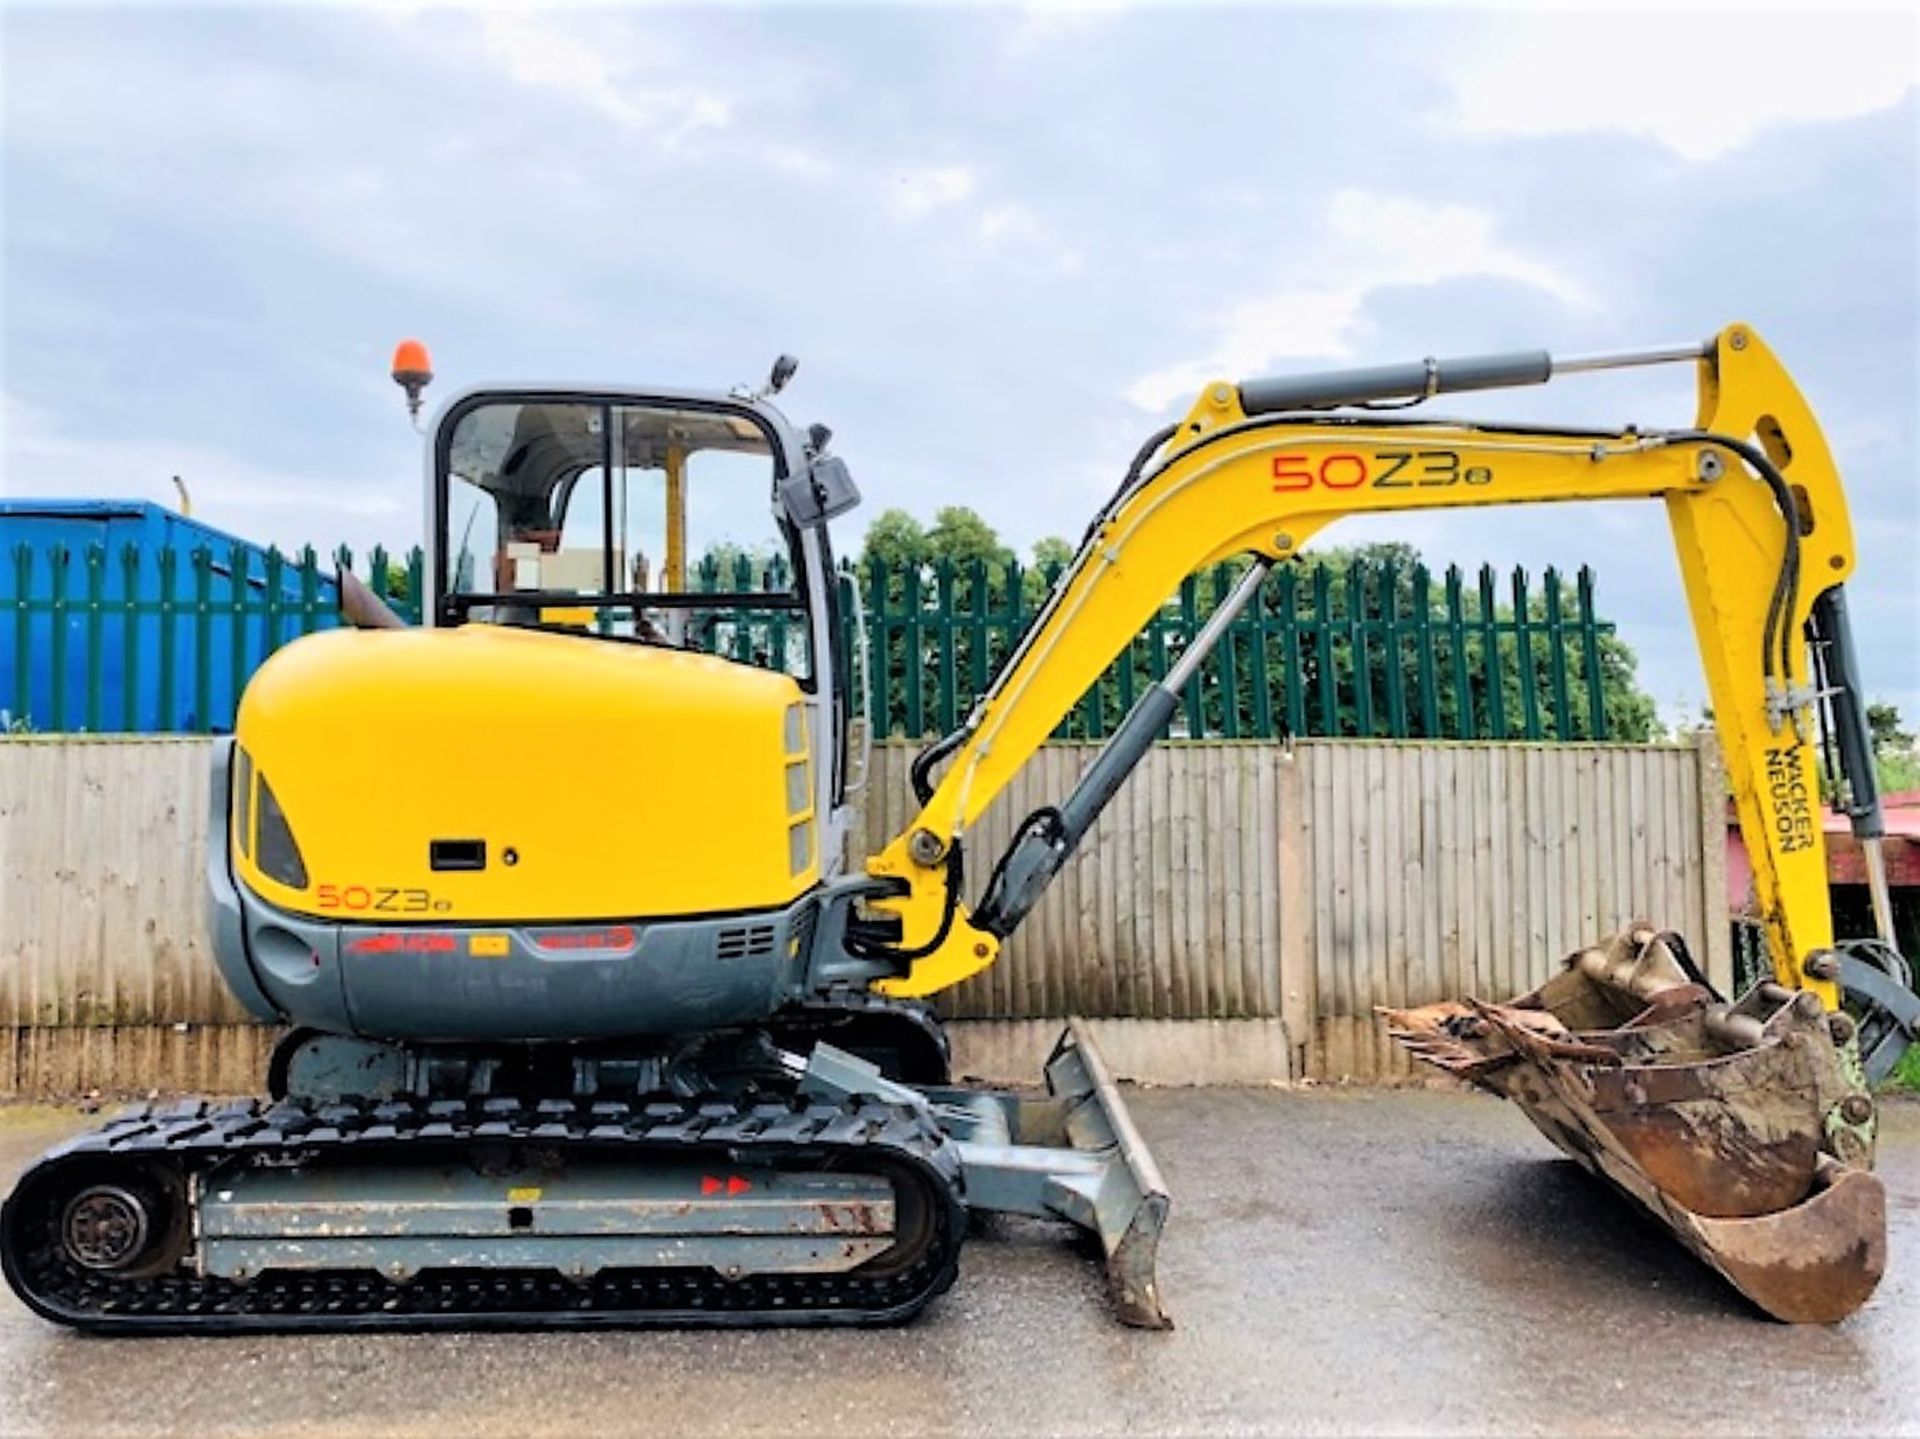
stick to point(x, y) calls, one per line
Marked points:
point(606, 780)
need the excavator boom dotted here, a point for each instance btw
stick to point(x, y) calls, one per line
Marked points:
point(1764, 543)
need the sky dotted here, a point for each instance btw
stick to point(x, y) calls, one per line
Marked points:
point(1005, 244)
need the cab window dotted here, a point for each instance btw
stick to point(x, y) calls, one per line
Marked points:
point(650, 523)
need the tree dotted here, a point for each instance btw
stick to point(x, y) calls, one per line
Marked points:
point(1883, 722)
point(396, 586)
point(1370, 646)
point(1896, 760)
point(960, 535)
point(1361, 582)
point(1051, 555)
point(729, 565)
point(895, 540)
point(1051, 552)
point(1631, 711)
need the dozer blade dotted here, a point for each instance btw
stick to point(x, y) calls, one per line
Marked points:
point(1073, 1155)
point(1128, 1201)
point(1738, 1127)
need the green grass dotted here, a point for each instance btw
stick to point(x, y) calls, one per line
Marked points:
point(1906, 1074)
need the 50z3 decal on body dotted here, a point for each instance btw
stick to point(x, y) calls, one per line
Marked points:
point(380, 899)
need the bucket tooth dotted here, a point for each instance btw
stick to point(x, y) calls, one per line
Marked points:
point(1717, 1119)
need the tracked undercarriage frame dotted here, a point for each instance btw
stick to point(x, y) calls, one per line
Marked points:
point(843, 1201)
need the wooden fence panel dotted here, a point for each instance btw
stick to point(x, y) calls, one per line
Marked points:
point(1229, 880)
point(102, 853)
point(1440, 870)
point(1391, 873)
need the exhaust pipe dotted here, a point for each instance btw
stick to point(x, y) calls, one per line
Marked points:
point(362, 608)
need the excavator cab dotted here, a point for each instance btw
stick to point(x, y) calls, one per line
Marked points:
point(625, 775)
point(662, 520)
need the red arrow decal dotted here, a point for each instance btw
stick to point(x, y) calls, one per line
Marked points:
point(709, 1185)
point(737, 1185)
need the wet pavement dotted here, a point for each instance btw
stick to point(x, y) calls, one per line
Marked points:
point(1360, 1262)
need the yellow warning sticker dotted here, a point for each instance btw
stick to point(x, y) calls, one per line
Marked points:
point(493, 946)
point(528, 1195)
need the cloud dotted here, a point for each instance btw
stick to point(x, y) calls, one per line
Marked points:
point(263, 503)
point(977, 254)
point(536, 51)
point(1016, 226)
point(919, 192)
point(1371, 243)
point(1700, 84)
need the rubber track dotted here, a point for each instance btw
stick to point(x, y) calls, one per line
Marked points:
point(195, 1134)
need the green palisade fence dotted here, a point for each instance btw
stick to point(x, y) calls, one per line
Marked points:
point(168, 642)
point(146, 640)
point(1365, 650)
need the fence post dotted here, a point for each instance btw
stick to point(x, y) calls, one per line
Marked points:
point(1523, 642)
point(916, 657)
point(742, 635)
point(1323, 642)
point(239, 575)
point(202, 639)
point(1253, 624)
point(1463, 726)
point(415, 609)
point(879, 653)
point(129, 638)
point(1563, 727)
point(1356, 601)
point(1387, 580)
point(96, 668)
point(1590, 657)
point(1225, 661)
point(1291, 656)
point(1490, 664)
point(979, 591)
point(1423, 643)
point(22, 632)
point(1717, 921)
point(58, 555)
point(275, 569)
point(309, 590)
point(946, 671)
point(169, 715)
point(1189, 627)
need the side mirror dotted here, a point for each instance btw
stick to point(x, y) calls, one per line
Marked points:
point(822, 491)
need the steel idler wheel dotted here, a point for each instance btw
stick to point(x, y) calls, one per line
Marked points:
point(105, 1227)
point(127, 1226)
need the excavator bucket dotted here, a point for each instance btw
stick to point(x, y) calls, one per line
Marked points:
point(1739, 1127)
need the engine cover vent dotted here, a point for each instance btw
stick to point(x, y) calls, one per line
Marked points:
point(745, 940)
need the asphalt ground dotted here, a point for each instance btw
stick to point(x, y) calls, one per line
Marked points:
point(1355, 1262)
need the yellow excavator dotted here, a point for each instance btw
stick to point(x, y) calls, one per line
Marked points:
point(589, 1023)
